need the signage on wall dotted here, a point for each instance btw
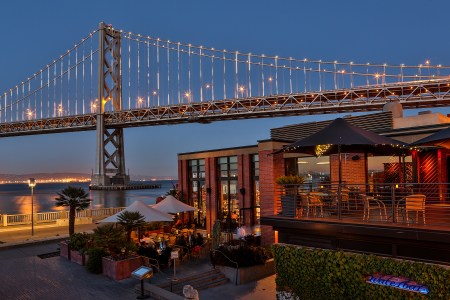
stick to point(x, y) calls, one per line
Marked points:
point(398, 282)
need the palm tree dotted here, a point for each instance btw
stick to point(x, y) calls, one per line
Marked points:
point(130, 220)
point(76, 199)
point(111, 238)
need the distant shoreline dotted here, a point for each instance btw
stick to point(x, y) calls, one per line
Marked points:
point(49, 181)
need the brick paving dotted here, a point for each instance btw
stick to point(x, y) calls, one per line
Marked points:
point(23, 275)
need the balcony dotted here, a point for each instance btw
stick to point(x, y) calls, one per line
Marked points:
point(400, 220)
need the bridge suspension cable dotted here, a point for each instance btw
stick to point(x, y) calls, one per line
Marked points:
point(158, 73)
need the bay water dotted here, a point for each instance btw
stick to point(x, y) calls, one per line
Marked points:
point(15, 198)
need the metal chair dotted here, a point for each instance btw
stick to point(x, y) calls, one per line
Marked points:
point(370, 203)
point(315, 202)
point(345, 198)
point(302, 205)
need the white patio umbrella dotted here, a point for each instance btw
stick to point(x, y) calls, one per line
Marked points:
point(172, 205)
point(150, 214)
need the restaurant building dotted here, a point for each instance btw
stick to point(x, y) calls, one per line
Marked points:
point(238, 186)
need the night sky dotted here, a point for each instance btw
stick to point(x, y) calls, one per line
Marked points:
point(36, 32)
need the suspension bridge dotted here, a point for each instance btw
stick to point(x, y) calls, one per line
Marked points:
point(113, 79)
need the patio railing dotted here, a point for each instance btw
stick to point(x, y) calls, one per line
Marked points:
point(408, 204)
point(52, 217)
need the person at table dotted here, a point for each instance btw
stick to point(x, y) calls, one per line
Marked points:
point(199, 239)
point(146, 238)
point(164, 257)
point(151, 252)
point(181, 241)
point(142, 249)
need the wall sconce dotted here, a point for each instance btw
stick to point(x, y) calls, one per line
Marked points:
point(208, 190)
point(242, 191)
point(355, 157)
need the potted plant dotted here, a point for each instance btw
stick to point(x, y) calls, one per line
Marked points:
point(78, 245)
point(120, 261)
point(288, 200)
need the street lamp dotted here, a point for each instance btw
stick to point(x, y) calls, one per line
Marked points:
point(32, 184)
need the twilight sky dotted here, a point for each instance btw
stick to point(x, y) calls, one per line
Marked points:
point(36, 32)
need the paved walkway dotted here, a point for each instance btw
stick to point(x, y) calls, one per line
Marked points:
point(26, 276)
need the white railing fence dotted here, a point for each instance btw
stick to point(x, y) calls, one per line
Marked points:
point(51, 217)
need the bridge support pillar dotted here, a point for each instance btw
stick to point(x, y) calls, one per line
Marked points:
point(110, 158)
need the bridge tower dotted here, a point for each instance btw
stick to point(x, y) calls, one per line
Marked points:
point(110, 159)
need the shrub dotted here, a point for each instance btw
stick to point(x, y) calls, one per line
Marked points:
point(308, 272)
point(242, 253)
point(80, 241)
point(290, 179)
point(94, 263)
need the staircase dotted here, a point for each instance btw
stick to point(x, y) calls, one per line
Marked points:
point(199, 281)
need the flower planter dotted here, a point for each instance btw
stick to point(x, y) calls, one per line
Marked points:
point(78, 257)
point(64, 249)
point(120, 269)
point(248, 274)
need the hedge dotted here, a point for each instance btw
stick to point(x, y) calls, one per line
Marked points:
point(328, 274)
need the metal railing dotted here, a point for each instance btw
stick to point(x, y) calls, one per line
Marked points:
point(408, 204)
point(52, 217)
point(213, 253)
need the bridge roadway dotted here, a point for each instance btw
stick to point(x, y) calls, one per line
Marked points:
point(416, 94)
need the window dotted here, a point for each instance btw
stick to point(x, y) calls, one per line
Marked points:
point(228, 202)
point(256, 195)
point(197, 192)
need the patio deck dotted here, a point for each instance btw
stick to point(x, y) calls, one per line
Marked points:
point(377, 223)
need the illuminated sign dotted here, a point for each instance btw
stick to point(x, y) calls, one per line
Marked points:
point(402, 283)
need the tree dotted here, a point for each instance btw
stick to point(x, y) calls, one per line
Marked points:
point(130, 220)
point(76, 199)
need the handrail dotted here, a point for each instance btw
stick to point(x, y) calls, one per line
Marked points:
point(52, 216)
point(229, 259)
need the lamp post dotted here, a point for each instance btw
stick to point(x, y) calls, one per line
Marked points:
point(32, 184)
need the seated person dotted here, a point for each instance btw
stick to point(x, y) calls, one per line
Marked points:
point(142, 249)
point(199, 239)
point(164, 257)
point(181, 241)
point(146, 238)
point(151, 252)
point(178, 224)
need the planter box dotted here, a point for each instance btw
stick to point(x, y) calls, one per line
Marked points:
point(248, 274)
point(120, 269)
point(78, 258)
point(64, 249)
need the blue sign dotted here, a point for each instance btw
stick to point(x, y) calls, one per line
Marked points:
point(402, 283)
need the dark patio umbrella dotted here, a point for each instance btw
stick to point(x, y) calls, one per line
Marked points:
point(439, 139)
point(340, 136)
point(343, 135)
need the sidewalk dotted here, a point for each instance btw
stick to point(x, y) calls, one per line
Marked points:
point(12, 236)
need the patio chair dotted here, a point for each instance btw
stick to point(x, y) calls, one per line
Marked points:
point(315, 202)
point(370, 203)
point(414, 203)
point(345, 198)
point(302, 205)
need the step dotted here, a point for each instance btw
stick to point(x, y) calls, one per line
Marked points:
point(189, 278)
point(199, 281)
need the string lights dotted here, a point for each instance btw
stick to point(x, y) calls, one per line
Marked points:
point(184, 73)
